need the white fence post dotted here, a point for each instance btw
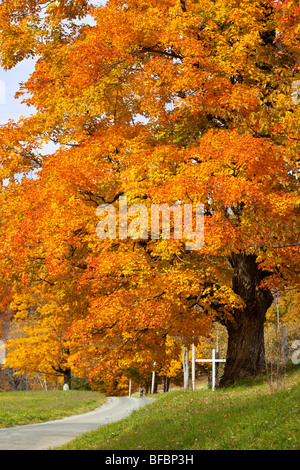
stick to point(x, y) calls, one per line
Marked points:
point(153, 379)
point(186, 368)
point(193, 368)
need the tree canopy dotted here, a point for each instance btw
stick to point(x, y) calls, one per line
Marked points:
point(159, 101)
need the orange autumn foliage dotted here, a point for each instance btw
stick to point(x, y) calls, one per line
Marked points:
point(162, 104)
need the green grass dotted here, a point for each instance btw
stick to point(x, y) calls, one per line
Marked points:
point(18, 408)
point(247, 416)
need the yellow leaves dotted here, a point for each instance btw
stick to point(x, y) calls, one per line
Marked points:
point(36, 339)
point(163, 107)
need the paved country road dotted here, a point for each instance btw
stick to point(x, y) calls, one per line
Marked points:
point(42, 436)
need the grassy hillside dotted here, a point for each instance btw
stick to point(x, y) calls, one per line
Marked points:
point(17, 408)
point(249, 415)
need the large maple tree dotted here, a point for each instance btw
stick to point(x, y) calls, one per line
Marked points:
point(161, 101)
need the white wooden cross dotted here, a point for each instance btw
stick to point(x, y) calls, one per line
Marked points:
point(213, 360)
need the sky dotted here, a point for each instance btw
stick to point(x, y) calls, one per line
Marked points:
point(13, 108)
point(10, 107)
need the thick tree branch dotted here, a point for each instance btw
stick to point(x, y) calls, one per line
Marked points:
point(183, 7)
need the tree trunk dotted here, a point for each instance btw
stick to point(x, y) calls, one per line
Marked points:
point(246, 353)
point(67, 378)
point(166, 383)
point(156, 383)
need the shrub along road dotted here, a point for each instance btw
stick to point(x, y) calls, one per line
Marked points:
point(42, 436)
